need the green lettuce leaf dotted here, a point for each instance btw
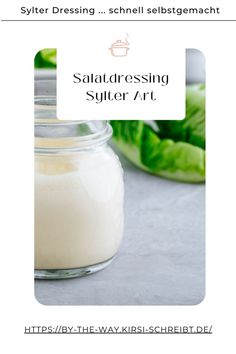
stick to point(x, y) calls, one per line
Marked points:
point(163, 157)
point(192, 128)
point(170, 149)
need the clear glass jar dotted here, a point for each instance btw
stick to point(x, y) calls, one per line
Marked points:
point(78, 195)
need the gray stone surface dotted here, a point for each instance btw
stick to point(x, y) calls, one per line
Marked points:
point(162, 257)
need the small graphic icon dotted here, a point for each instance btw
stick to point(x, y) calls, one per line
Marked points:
point(120, 48)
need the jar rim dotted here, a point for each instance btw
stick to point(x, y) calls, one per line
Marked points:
point(72, 144)
point(53, 135)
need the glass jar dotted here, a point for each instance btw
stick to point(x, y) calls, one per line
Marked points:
point(78, 195)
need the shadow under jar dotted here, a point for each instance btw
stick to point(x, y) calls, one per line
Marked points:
point(79, 195)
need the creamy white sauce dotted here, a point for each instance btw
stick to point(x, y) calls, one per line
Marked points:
point(78, 208)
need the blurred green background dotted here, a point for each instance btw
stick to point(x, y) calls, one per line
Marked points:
point(46, 59)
